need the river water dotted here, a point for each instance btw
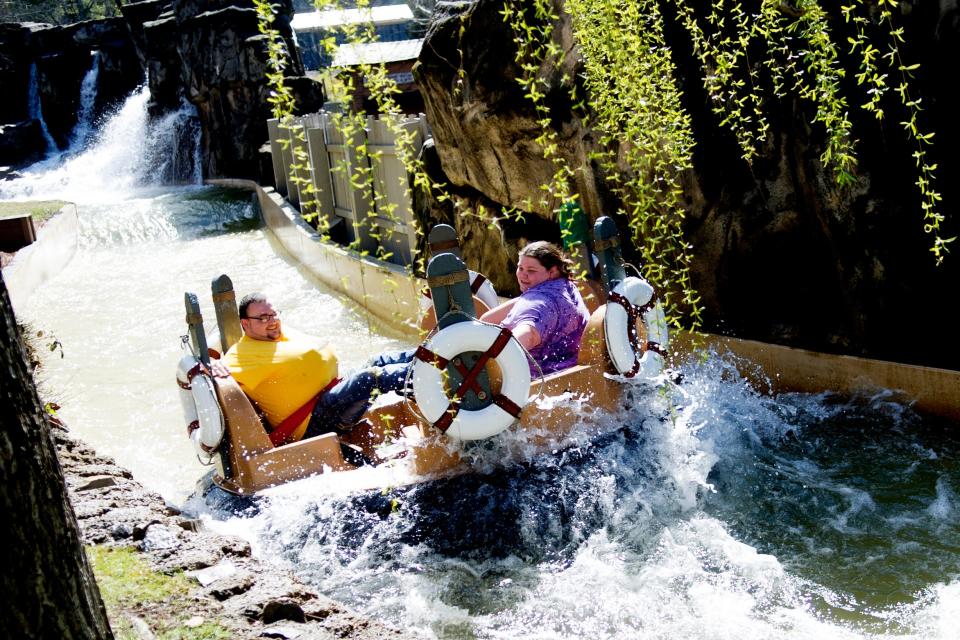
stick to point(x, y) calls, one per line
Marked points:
point(704, 511)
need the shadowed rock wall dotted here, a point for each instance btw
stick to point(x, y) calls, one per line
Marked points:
point(781, 253)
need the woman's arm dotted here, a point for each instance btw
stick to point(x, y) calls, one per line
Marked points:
point(499, 312)
point(527, 335)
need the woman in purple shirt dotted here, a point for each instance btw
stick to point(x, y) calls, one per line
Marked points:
point(549, 316)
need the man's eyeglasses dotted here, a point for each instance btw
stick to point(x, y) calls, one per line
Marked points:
point(265, 318)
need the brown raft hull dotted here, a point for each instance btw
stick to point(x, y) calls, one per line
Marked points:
point(250, 463)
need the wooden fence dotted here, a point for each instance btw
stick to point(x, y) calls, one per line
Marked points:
point(379, 223)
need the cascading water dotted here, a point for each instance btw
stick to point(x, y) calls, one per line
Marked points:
point(130, 150)
point(704, 510)
point(35, 107)
point(88, 99)
point(172, 148)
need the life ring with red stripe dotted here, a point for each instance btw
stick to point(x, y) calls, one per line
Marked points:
point(633, 300)
point(201, 409)
point(479, 286)
point(445, 413)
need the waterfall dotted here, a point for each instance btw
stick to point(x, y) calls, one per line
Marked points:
point(128, 151)
point(36, 109)
point(88, 99)
point(173, 147)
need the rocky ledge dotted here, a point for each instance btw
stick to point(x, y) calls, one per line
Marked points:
point(233, 588)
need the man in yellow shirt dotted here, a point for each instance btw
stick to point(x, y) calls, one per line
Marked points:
point(292, 377)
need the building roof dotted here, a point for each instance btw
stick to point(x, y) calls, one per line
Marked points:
point(377, 52)
point(333, 18)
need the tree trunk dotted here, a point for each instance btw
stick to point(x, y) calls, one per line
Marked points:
point(47, 588)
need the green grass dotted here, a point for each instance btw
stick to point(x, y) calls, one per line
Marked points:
point(130, 587)
point(41, 210)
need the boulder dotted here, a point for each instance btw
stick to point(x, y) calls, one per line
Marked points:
point(213, 55)
point(16, 41)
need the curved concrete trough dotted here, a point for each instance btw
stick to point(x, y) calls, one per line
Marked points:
point(36, 263)
point(387, 291)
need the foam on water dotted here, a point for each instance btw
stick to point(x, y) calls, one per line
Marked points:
point(702, 510)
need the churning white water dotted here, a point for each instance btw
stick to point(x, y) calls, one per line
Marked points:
point(704, 510)
point(115, 315)
point(128, 152)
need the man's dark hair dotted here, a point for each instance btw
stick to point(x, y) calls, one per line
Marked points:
point(249, 299)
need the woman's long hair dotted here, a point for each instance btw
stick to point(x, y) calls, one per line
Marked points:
point(549, 255)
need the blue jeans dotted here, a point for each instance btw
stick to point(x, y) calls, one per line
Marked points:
point(340, 408)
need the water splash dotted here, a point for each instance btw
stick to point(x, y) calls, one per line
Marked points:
point(35, 107)
point(702, 510)
point(88, 98)
point(130, 151)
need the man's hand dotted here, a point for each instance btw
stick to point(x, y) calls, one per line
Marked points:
point(218, 369)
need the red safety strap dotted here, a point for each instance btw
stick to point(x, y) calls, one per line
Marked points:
point(477, 283)
point(285, 429)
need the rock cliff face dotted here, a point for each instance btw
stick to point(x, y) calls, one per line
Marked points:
point(781, 253)
point(212, 55)
point(62, 57)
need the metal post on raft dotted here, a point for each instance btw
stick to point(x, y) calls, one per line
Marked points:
point(195, 327)
point(575, 233)
point(606, 243)
point(449, 285)
point(228, 317)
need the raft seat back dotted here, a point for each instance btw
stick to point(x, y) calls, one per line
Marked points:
point(449, 284)
point(606, 244)
point(255, 463)
point(575, 234)
point(228, 316)
point(443, 239)
point(198, 339)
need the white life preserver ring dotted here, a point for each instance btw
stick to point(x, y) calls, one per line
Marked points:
point(201, 409)
point(428, 379)
point(631, 300)
point(479, 286)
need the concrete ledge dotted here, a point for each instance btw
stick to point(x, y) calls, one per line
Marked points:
point(773, 369)
point(387, 291)
point(35, 264)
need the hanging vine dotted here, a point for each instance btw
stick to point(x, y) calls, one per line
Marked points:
point(633, 101)
point(646, 136)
